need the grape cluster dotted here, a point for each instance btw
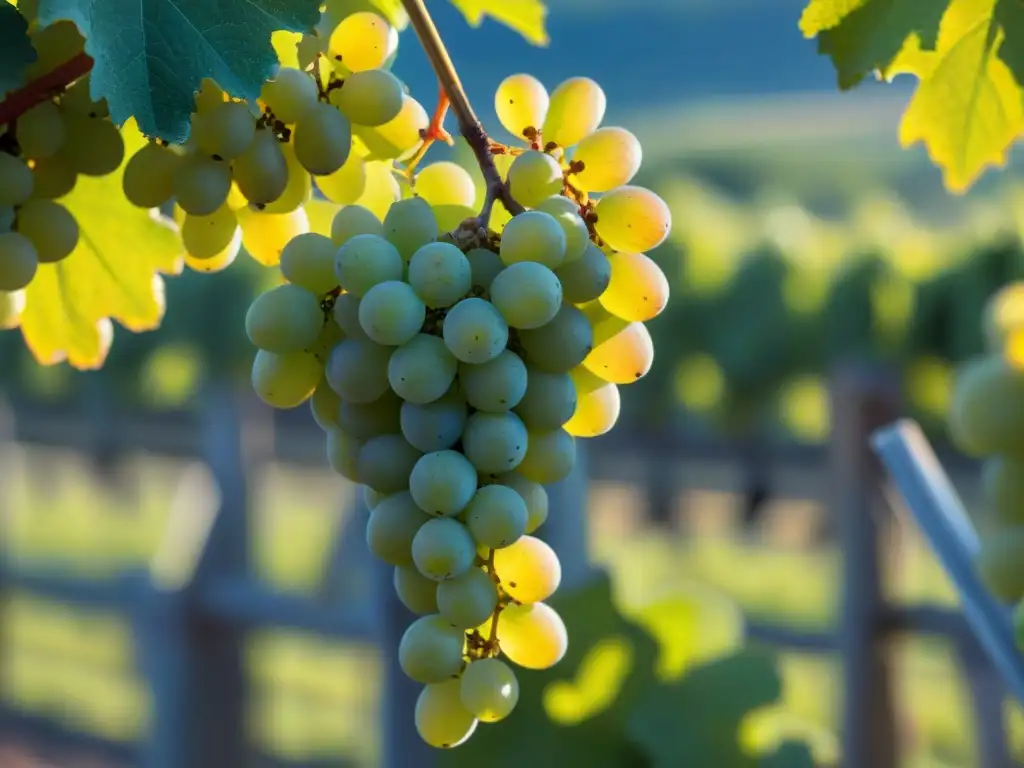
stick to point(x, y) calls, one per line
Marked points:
point(42, 154)
point(452, 367)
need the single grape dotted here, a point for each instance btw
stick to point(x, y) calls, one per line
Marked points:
point(289, 94)
point(354, 220)
point(434, 426)
point(284, 319)
point(430, 649)
point(586, 278)
point(986, 416)
point(298, 188)
point(443, 549)
point(362, 41)
point(343, 453)
point(567, 214)
point(409, 225)
point(442, 483)
point(346, 315)
point(41, 131)
point(366, 420)
point(385, 462)
point(441, 719)
point(484, 266)
point(489, 689)
point(358, 370)
point(200, 184)
point(469, 600)
point(607, 158)
point(527, 294)
point(148, 180)
point(532, 636)
point(550, 400)
point(285, 381)
point(632, 219)
point(398, 137)
point(445, 183)
point(261, 171)
point(521, 103)
point(347, 184)
point(551, 457)
point(625, 357)
point(15, 180)
point(533, 494)
point(533, 236)
point(265, 235)
point(50, 226)
point(494, 442)
point(372, 97)
point(638, 289)
point(475, 331)
point(53, 178)
point(597, 407)
point(18, 261)
point(533, 177)
point(207, 236)
point(365, 261)
point(92, 146)
point(562, 344)
point(421, 370)
point(391, 527)
point(414, 590)
point(324, 405)
point(219, 261)
point(225, 131)
point(391, 313)
point(575, 110)
point(440, 274)
point(495, 386)
point(308, 261)
point(497, 516)
point(529, 569)
point(322, 139)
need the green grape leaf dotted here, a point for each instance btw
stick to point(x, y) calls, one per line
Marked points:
point(703, 712)
point(152, 55)
point(113, 273)
point(1010, 16)
point(527, 17)
point(575, 713)
point(16, 51)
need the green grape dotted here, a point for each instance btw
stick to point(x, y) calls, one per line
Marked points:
point(625, 357)
point(345, 185)
point(354, 220)
point(610, 158)
point(521, 103)
point(440, 274)
point(489, 689)
point(16, 180)
point(385, 462)
point(358, 370)
point(284, 319)
point(443, 549)
point(527, 294)
point(148, 180)
point(225, 131)
point(562, 344)
point(261, 171)
point(201, 185)
point(533, 177)
point(986, 416)
point(219, 261)
point(329, 337)
point(77, 100)
point(532, 636)
point(398, 137)
point(495, 386)
point(469, 600)
point(441, 719)
point(324, 405)
point(299, 188)
point(409, 225)
point(204, 237)
point(587, 278)
point(209, 96)
point(391, 313)
point(497, 516)
point(93, 146)
point(382, 190)
point(442, 483)
point(475, 331)
point(308, 262)
point(494, 442)
point(575, 110)
point(533, 236)
point(391, 527)
point(372, 97)
point(567, 214)
point(265, 235)
point(365, 261)
point(550, 457)
point(597, 406)
point(12, 304)
point(445, 183)
point(529, 569)
point(51, 228)
point(421, 370)
point(414, 590)
point(285, 381)
point(550, 400)
point(53, 178)
point(430, 649)
point(346, 315)
point(55, 44)
point(533, 494)
point(484, 266)
point(434, 426)
point(18, 261)
point(322, 139)
point(632, 219)
point(638, 289)
point(289, 94)
point(1002, 482)
point(999, 564)
point(41, 131)
point(342, 452)
point(366, 420)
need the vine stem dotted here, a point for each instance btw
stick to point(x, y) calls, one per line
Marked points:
point(42, 88)
point(469, 124)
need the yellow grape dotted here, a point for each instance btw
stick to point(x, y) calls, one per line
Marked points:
point(51, 228)
point(18, 261)
point(224, 131)
point(346, 184)
point(362, 41)
point(209, 96)
point(638, 290)
point(442, 720)
point(201, 184)
point(205, 237)
point(236, 200)
point(285, 381)
point(532, 636)
point(400, 136)
point(53, 178)
point(987, 415)
point(623, 358)
point(41, 131)
point(299, 187)
point(218, 261)
point(521, 102)
point(371, 98)
point(528, 569)
point(450, 217)
point(597, 405)
point(446, 183)
point(576, 109)
point(16, 180)
point(93, 146)
point(632, 219)
point(77, 100)
point(261, 173)
point(265, 235)
point(382, 190)
point(610, 157)
point(12, 304)
point(148, 180)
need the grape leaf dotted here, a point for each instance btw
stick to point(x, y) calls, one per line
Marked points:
point(151, 55)
point(1010, 15)
point(527, 17)
point(16, 51)
point(112, 274)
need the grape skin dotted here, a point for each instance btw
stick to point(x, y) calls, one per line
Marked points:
point(358, 370)
point(533, 177)
point(430, 650)
point(148, 180)
point(489, 689)
point(586, 278)
point(16, 181)
point(610, 158)
point(632, 219)
point(385, 462)
point(576, 108)
point(391, 313)
point(265, 235)
point(494, 442)
point(469, 600)
point(562, 344)
point(289, 94)
point(225, 131)
point(445, 184)
point(495, 386)
point(443, 483)
point(285, 381)
point(18, 261)
point(51, 228)
point(391, 527)
point(475, 331)
point(322, 139)
point(434, 426)
point(308, 261)
point(261, 171)
point(549, 458)
point(201, 185)
point(521, 102)
point(352, 221)
point(366, 420)
point(443, 549)
point(421, 370)
point(41, 131)
point(285, 319)
point(205, 237)
point(372, 97)
point(365, 261)
point(409, 225)
point(527, 294)
point(533, 236)
point(416, 591)
point(528, 568)
point(497, 517)
point(440, 274)
point(532, 636)
point(52, 179)
point(637, 290)
point(441, 719)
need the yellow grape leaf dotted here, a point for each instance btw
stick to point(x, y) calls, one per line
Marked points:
point(967, 109)
point(527, 17)
point(113, 273)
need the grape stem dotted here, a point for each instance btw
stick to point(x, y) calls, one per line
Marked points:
point(43, 88)
point(470, 126)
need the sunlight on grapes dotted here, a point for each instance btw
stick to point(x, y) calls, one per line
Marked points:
point(600, 677)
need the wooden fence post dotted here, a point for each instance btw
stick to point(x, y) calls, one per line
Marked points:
point(988, 693)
